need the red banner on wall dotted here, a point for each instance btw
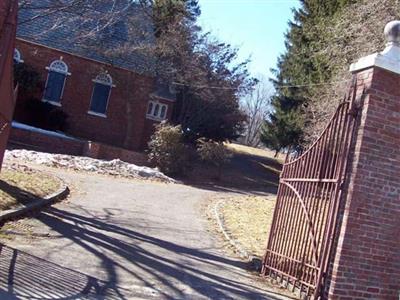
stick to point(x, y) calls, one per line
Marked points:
point(8, 27)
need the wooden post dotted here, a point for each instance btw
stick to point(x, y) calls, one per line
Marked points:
point(8, 28)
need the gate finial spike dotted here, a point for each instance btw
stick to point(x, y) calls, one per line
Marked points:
point(388, 59)
point(392, 33)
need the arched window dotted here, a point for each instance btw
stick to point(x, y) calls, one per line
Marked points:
point(58, 71)
point(163, 112)
point(157, 111)
point(17, 56)
point(101, 94)
point(150, 108)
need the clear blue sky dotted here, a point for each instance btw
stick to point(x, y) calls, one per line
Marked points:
point(257, 27)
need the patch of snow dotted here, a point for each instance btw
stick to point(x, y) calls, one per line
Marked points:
point(114, 167)
point(18, 125)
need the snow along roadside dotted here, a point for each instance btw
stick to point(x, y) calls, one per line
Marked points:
point(114, 167)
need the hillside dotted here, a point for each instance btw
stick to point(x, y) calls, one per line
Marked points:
point(312, 76)
point(354, 32)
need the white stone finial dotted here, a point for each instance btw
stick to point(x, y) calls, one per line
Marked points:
point(389, 58)
point(392, 33)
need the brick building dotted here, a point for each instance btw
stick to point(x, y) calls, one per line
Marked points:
point(114, 103)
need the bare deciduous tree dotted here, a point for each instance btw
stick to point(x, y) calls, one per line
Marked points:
point(256, 105)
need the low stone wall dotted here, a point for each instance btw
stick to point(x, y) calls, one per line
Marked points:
point(47, 143)
point(107, 152)
point(54, 143)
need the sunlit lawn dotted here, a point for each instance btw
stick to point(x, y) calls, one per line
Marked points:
point(20, 185)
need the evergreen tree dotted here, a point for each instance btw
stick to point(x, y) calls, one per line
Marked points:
point(301, 66)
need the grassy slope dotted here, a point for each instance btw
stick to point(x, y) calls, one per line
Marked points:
point(250, 170)
point(248, 217)
point(21, 185)
point(237, 148)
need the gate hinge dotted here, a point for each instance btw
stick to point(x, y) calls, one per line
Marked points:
point(356, 104)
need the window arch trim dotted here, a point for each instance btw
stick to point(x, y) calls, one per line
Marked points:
point(59, 66)
point(104, 78)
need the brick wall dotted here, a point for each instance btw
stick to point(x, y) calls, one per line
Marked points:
point(47, 143)
point(366, 264)
point(53, 144)
point(107, 152)
point(122, 120)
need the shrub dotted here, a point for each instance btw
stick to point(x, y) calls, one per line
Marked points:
point(47, 116)
point(214, 153)
point(27, 78)
point(167, 150)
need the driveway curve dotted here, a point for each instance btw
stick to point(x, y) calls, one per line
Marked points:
point(120, 239)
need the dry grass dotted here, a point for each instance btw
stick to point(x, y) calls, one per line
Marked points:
point(21, 185)
point(251, 150)
point(242, 149)
point(249, 219)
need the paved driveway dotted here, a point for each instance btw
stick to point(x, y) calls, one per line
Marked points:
point(120, 239)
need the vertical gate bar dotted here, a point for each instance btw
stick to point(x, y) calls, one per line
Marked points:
point(304, 234)
point(279, 228)
point(289, 223)
point(315, 197)
point(282, 212)
point(321, 223)
point(300, 233)
point(275, 227)
point(284, 197)
point(322, 220)
point(349, 134)
point(295, 217)
point(288, 202)
point(325, 188)
point(308, 202)
point(328, 219)
point(307, 249)
point(334, 213)
point(337, 150)
point(310, 253)
point(274, 220)
point(292, 216)
point(295, 213)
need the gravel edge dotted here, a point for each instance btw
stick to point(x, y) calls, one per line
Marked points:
point(19, 211)
point(239, 249)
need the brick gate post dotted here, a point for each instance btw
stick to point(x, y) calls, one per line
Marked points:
point(366, 263)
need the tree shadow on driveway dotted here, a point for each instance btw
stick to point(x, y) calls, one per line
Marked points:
point(24, 276)
point(164, 269)
point(244, 174)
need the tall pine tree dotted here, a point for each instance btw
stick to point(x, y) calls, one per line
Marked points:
point(301, 66)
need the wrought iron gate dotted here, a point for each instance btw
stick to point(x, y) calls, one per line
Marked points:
point(306, 211)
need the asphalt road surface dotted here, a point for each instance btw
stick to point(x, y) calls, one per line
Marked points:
point(120, 239)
